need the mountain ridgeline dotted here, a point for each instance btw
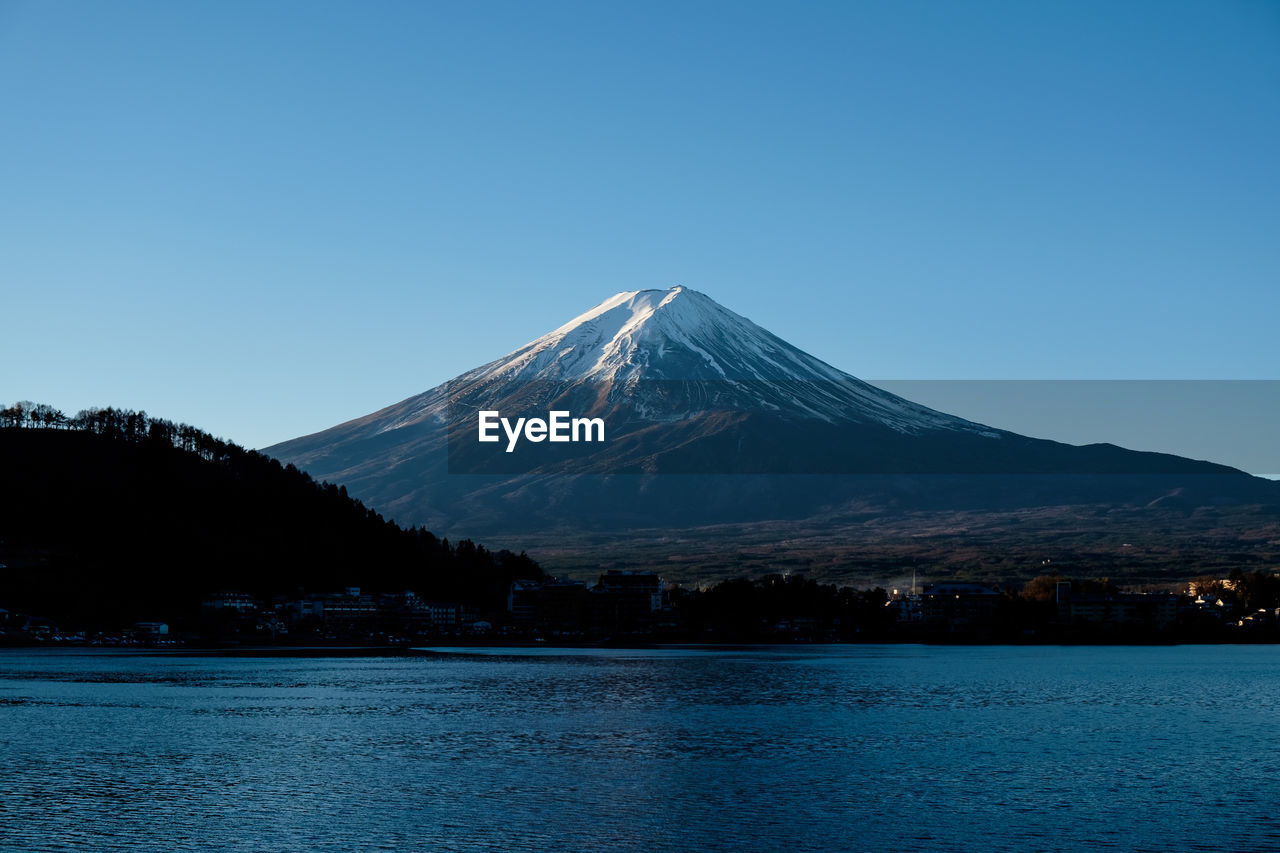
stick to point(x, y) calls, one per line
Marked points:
point(112, 516)
point(713, 420)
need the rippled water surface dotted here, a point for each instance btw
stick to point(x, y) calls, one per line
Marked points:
point(815, 748)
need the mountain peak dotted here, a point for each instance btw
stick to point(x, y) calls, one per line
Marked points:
point(677, 333)
point(628, 347)
point(631, 309)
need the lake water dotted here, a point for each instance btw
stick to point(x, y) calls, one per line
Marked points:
point(813, 748)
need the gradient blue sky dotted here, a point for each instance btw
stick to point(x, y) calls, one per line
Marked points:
point(265, 218)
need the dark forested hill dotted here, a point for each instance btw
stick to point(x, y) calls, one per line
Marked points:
point(113, 516)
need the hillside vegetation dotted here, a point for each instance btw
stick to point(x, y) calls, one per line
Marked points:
point(112, 515)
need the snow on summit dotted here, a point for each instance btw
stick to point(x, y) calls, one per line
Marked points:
point(659, 334)
point(637, 340)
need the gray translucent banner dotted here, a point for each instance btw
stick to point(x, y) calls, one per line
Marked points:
point(1043, 427)
point(1234, 422)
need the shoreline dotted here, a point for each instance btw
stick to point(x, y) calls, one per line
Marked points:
point(366, 651)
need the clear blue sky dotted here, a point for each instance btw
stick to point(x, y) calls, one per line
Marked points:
point(265, 218)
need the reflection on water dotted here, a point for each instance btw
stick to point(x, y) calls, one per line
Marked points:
point(851, 747)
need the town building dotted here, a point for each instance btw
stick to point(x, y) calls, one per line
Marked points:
point(959, 607)
point(1116, 610)
point(625, 600)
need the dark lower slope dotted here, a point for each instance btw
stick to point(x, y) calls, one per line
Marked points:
point(1162, 545)
point(743, 469)
point(99, 529)
point(948, 505)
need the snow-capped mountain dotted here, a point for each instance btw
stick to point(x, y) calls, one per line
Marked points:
point(669, 355)
point(688, 387)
